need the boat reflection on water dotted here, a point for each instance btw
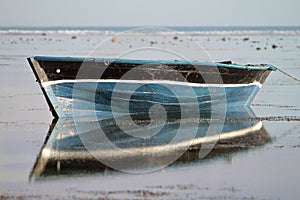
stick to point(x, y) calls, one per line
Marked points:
point(78, 148)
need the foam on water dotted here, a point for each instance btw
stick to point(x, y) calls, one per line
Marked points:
point(200, 31)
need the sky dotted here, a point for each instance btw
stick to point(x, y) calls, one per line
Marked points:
point(149, 13)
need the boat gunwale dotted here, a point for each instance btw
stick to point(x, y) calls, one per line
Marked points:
point(154, 62)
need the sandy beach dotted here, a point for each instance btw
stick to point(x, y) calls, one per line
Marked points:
point(266, 170)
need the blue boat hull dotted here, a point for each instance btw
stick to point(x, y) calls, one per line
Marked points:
point(100, 88)
point(88, 99)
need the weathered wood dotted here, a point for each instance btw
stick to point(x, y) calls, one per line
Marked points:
point(57, 70)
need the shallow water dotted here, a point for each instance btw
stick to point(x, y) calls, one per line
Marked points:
point(268, 170)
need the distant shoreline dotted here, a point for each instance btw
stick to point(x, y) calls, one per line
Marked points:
point(176, 28)
point(111, 30)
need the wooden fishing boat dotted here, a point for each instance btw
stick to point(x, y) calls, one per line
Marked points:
point(88, 85)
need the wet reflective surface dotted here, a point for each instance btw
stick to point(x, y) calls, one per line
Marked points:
point(257, 167)
point(66, 151)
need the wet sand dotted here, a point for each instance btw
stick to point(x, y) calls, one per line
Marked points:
point(257, 172)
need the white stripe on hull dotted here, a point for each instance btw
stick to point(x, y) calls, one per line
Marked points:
point(45, 84)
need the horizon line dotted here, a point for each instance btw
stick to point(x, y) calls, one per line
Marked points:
point(137, 26)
